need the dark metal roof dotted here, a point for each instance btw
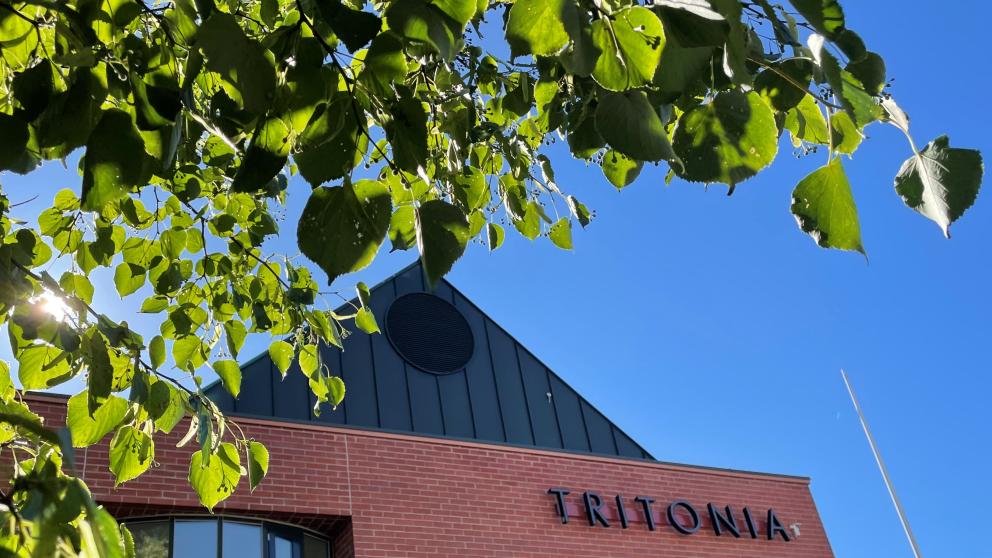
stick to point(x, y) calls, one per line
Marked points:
point(504, 394)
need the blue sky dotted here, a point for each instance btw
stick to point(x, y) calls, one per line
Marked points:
point(713, 330)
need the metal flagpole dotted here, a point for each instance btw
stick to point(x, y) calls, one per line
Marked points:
point(881, 467)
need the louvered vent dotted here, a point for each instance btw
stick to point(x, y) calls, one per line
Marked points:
point(429, 333)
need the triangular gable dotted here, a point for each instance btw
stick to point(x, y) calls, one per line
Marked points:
point(504, 394)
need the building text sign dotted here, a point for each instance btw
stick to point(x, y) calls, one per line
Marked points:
point(682, 515)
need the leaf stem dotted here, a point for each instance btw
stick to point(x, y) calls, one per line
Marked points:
point(794, 83)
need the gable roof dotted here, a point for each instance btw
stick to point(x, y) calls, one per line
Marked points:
point(504, 394)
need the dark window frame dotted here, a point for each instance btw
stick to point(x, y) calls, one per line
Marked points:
point(295, 533)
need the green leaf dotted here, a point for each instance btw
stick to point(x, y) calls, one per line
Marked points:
point(154, 304)
point(460, 11)
point(630, 43)
point(824, 208)
point(737, 47)
point(189, 352)
point(42, 367)
point(528, 222)
point(693, 23)
point(365, 321)
point(470, 189)
point(242, 62)
point(128, 278)
point(728, 140)
point(128, 539)
point(385, 61)
point(332, 143)
point(632, 126)
point(342, 227)
point(403, 228)
point(131, 452)
point(309, 359)
point(7, 389)
point(494, 236)
point(407, 133)
point(859, 103)
point(620, 169)
point(845, 136)
point(806, 123)
point(114, 162)
point(34, 88)
point(77, 285)
point(870, 71)
point(581, 55)
point(14, 136)
point(230, 375)
point(266, 156)
point(364, 295)
point(17, 420)
point(258, 464)
point(89, 429)
point(156, 350)
point(165, 406)
point(335, 389)
point(269, 11)
point(476, 221)
point(355, 28)
point(215, 478)
point(99, 533)
point(785, 82)
point(684, 67)
point(538, 26)
point(941, 182)
point(235, 332)
point(282, 354)
point(561, 234)
point(67, 121)
point(423, 23)
point(826, 16)
point(580, 211)
point(442, 233)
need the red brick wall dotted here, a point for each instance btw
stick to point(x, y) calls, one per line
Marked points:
point(419, 497)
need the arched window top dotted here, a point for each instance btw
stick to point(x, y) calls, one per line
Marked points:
point(223, 537)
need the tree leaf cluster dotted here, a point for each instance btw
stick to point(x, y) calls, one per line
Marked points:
point(189, 119)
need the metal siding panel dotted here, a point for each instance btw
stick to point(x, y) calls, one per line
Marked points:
point(332, 356)
point(410, 281)
point(544, 422)
point(359, 380)
point(390, 375)
point(600, 431)
point(256, 395)
point(480, 379)
point(221, 398)
point(425, 402)
point(568, 406)
point(512, 403)
point(290, 394)
point(456, 409)
point(625, 445)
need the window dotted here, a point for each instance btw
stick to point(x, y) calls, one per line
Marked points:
point(242, 540)
point(193, 537)
point(151, 538)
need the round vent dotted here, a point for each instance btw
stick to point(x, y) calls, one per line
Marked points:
point(429, 333)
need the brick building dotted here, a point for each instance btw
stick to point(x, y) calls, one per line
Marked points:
point(454, 441)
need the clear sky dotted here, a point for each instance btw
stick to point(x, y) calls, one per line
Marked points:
point(713, 331)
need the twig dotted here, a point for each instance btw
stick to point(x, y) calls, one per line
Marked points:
point(793, 82)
